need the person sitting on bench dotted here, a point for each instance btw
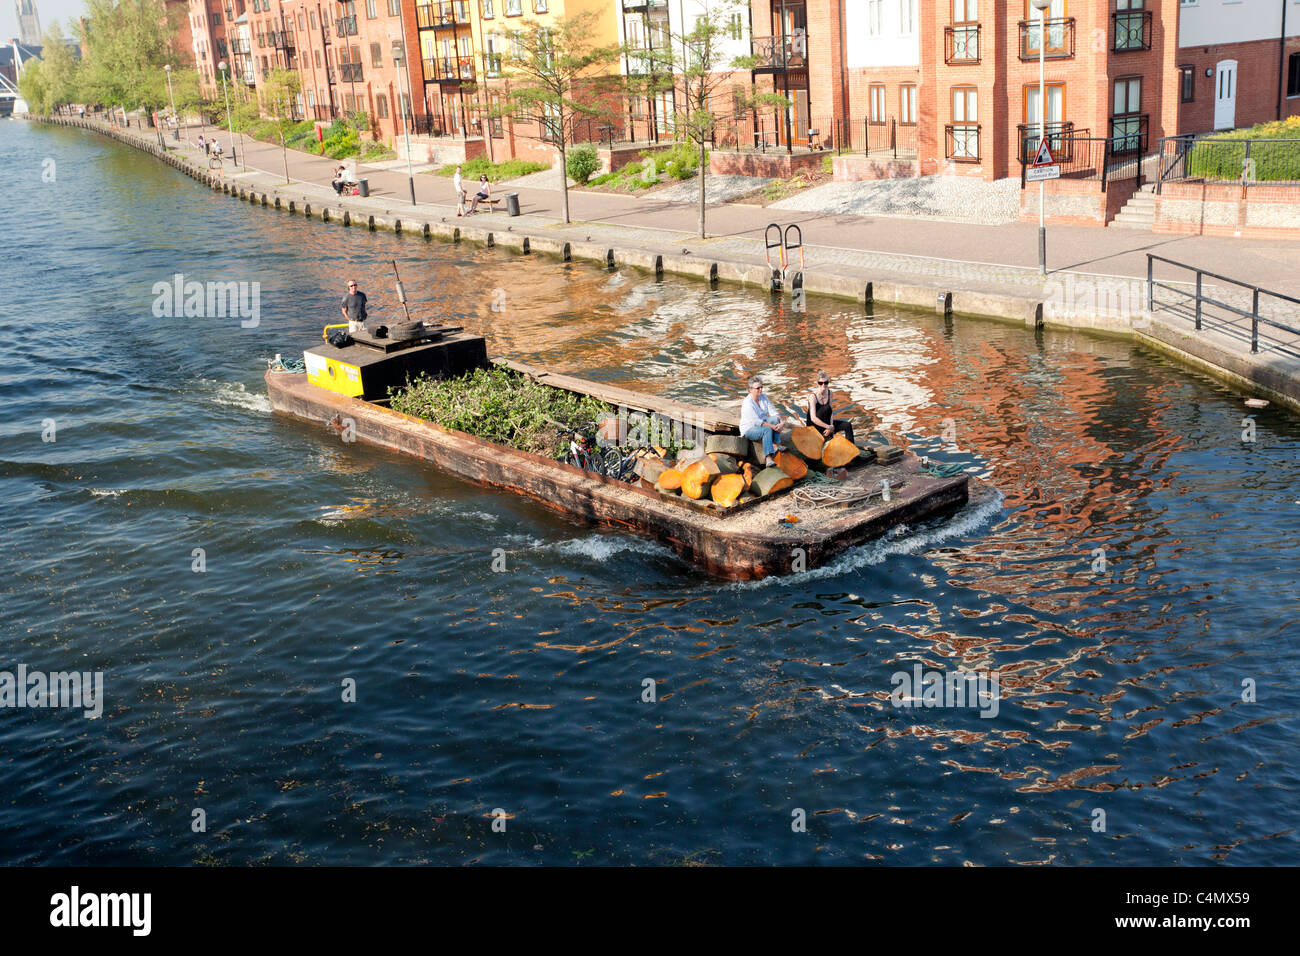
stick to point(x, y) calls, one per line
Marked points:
point(340, 179)
point(484, 193)
point(819, 412)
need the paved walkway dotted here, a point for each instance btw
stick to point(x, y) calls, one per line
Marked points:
point(892, 247)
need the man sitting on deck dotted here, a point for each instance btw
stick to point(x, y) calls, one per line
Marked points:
point(759, 420)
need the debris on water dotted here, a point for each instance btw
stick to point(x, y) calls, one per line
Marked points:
point(1257, 403)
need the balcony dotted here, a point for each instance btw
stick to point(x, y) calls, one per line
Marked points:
point(1060, 139)
point(351, 73)
point(492, 64)
point(1132, 30)
point(780, 54)
point(643, 6)
point(250, 78)
point(1128, 134)
point(240, 47)
point(345, 26)
point(449, 69)
point(281, 40)
point(961, 44)
point(1060, 39)
point(962, 142)
point(434, 16)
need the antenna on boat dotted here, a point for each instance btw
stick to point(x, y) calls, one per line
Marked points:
point(401, 293)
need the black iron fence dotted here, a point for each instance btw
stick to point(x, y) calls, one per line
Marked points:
point(1248, 162)
point(1082, 157)
point(961, 44)
point(1260, 322)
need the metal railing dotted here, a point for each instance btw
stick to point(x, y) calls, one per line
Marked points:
point(351, 73)
point(780, 53)
point(444, 69)
point(961, 44)
point(1060, 39)
point(281, 39)
point(1060, 139)
point(345, 26)
point(1082, 157)
point(889, 136)
point(1128, 134)
point(429, 16)
point(1246, 162)
point(1193, 305)
point(962, 142)
point(1132, 30)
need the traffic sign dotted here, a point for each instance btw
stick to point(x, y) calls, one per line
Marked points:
point(1044, 155)
point(1037, 174)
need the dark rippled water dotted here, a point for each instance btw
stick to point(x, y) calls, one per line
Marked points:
point(1122, 690)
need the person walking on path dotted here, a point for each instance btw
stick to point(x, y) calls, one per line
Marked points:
point(460, 193)
point(203, 144)
point(819, 412)
point(354, 307)
point(759, 420)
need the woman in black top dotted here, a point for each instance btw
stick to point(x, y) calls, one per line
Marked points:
point(819, 412)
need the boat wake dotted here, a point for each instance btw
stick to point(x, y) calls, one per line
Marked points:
point(235, 395)
point(901, 540)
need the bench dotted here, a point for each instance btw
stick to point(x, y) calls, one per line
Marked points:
point(490, 203)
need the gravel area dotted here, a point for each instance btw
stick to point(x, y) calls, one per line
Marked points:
point(950, 198)
point(546, 179)
point(717, 188)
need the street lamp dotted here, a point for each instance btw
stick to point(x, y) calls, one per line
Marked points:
point(1041, 6)
point(176, 130)
point(230, 123)
point(399, 60)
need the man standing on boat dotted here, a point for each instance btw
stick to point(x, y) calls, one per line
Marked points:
point(759, 420)
point(354, 307)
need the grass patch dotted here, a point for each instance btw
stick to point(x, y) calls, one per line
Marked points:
point(510, 169)
point(651, 167)
point(501, 406)
point(1223, 155)
point(376, 152)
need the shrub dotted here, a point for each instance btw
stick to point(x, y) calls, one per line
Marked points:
point(1223, 156)
point(510, 169)
point(341, 141)
point(582, 162)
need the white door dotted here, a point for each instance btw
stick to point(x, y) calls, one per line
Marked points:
point(1225, 94)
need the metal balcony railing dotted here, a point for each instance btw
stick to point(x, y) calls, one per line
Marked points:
point(492, 64)
point(346, 26)
point(961, 44)
point(282, 39)
point(429, 16)
point(639, 6)
point(351, 73)
point(240, 47)
point(1128, 134)
point(781, 53)
point(1060, 39)
point(962, 142)
point(449, 69)
point(1132, 30)
point(1060, 139)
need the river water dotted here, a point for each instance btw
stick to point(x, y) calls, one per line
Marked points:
point(1147, 712)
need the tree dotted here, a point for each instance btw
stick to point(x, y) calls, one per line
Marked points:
point(558, 75)
point(34, 87)
point(698, 62)
point(280, 95)
point(60, 66)
point(127, 43)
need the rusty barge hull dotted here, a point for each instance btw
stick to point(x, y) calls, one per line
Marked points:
point(726, 546)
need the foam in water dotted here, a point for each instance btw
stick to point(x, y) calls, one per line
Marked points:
point(234, 394)
point(898, 541)
point(602, 547)
point(106, 492)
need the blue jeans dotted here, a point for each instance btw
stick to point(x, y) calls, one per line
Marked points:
point(766, 436)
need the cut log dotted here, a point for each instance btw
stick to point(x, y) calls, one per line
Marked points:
point(727, 489)
point(771, 480)
point(749, 471)
point(696, 480)
point(710, 465)
point(791, 464)
point(650, 469)
point(839, 451)
point(727, 465)
point(671, 480)
point(807, 442)
point(735, 445)
point(667, 491)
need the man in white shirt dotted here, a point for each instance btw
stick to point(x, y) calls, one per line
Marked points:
point(759, 420)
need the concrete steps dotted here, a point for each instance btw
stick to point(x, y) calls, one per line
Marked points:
point(1139, 212)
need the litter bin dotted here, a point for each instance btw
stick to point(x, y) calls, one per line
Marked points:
point(363, 187)
point(512, 203)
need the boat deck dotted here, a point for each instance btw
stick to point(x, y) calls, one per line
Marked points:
point(753, 542)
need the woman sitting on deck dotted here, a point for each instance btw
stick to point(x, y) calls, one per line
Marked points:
point(819, 412)
point(759, 420)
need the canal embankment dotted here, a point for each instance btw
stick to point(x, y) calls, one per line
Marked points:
point(1114, 304)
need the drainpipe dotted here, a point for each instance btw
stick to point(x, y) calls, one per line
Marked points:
point(1281, 60)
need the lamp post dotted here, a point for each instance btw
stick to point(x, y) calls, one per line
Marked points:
point(176, 130)
point(230, 123)
point(400, 61)
point(1041, 6)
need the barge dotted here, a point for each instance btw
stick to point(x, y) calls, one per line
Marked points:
point(346, 390)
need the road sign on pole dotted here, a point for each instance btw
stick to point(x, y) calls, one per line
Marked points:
point(1043, 157)
point(1038, 174)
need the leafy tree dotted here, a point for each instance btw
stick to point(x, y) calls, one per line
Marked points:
point(60, 66)
point(35, 87)
point(559, 76)
point(279, 101)
point(127, 43)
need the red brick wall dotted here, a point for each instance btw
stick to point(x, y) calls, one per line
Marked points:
point(1244, 203)
point(1258, 83)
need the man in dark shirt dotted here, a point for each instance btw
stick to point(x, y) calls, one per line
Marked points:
point(354, 307)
